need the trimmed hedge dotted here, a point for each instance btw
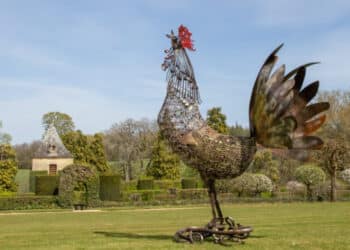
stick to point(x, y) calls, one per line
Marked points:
point(78, 178)
point(23, 180)
point(28, 202)
point(129, 185)
point(32, 179)
point(110, 187)
point(192, 194)
point(166, 184)
point(46, 185)
point(189, 183)
point(145, 184)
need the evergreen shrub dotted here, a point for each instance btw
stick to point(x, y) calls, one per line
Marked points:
point(110, 187)
point(32, 178)
point(46, 185)
point(145, 183)
point(189, 183)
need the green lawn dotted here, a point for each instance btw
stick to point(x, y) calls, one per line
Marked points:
point(276, 226)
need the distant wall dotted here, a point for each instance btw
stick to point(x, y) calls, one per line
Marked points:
point(43, 164)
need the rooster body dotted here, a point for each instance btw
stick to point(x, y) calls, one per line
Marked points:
point(279, 116)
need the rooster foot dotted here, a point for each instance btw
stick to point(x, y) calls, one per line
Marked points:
point(220, 229)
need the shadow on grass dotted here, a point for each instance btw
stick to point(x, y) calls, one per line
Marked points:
point(136, 236)
point(150, 236)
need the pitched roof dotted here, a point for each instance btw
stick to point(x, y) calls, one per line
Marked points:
point(52, 146)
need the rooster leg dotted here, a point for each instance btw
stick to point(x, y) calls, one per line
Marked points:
point(212, 199)
point(215, 206)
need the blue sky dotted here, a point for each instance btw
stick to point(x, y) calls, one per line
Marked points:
point(99, 61)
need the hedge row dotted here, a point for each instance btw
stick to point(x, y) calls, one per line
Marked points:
point(28, 202)
point(32, 179)
point(110, 187)
point(165, 195)
point(46, 185)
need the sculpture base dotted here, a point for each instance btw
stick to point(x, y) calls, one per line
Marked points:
point(220, 230)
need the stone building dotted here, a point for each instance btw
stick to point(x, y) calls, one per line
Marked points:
point(52, 155)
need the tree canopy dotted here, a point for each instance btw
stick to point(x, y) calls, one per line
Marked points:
point(8, 168)
point(62, 122)
point(163, 164)
point(130, 141)
point(217, 120)
point(310, 175)
point(86, 149)
point(5, 138)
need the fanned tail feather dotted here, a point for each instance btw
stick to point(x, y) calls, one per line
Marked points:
point(280, 114)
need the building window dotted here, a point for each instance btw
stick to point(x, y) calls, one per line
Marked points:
point(52, 169)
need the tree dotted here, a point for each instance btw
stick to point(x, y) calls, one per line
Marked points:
point(263, 163)
point(332, 158)
point(337, 124)
point(62, 122)
point(163, 164)
point(8, 168)
point(86, 149)
point(130, 141)
point(25, 153)
point(217, 120)
point(5, 138)
point(238, 130)
point(310, 175)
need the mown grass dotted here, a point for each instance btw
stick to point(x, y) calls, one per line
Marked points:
point(276, 226)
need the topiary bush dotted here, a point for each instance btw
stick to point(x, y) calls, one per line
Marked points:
point(345, 175)
point(32, 179)
point(192, 194)
point(129, 185)
point(243, 184)
point(311, 176)
point(110, 187)
point(145, 184)
point(46, 185)
point(28, 202)
point(189, 183)
point(295, 188)
point(263, 184)
point(78, 178)
point(23, 181)
point(166, 184)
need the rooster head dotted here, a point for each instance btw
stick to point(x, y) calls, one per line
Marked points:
point(182, 40)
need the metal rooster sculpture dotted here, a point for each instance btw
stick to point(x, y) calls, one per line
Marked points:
point(279, 116)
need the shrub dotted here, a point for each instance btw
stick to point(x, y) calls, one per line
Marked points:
point(145, 184)
point(129, 185)
point(192, 194)
point(28, 202)
point(32, 179)
point(225, 186)
point(295, 187)
point(262, 184)
point(345, 175)
point(189, 183)
point(166, 184)
point(244, 184)
point(311, 176)
point(110, 187)
point(46, 185)
point(23, 181)
point(78, 178)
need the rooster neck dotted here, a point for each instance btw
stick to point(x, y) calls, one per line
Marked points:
point(179, 114)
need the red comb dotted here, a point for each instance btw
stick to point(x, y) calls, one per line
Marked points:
point(185, 37)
